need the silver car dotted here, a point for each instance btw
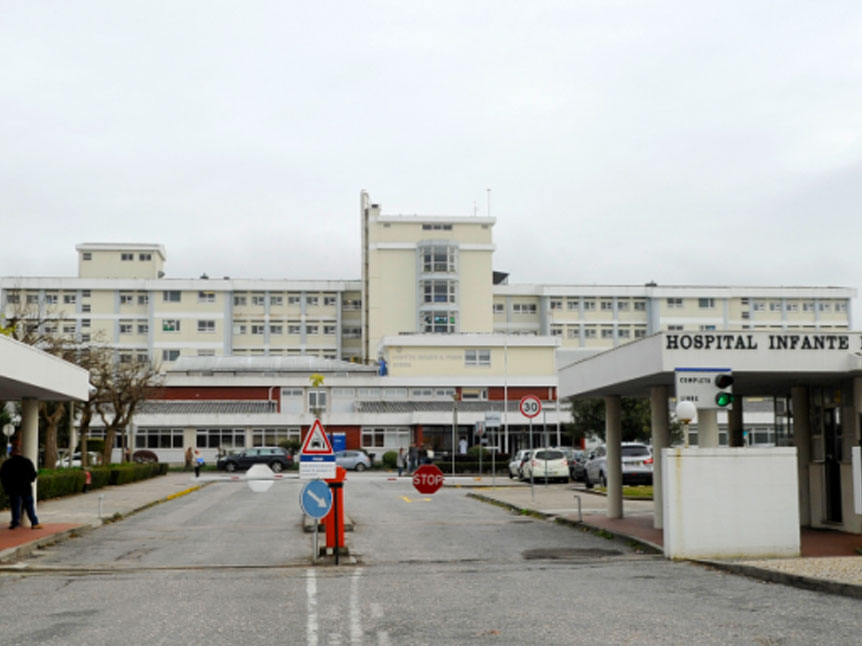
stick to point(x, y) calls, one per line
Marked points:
point(517, 462)
point(637, 464)
point(353, 460)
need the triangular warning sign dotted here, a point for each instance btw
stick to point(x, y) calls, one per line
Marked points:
point(316, 442)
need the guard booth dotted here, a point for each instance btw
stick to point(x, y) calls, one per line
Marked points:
point(818, 375)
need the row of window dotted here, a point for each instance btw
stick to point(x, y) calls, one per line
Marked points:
point(125, 256)
point(594, 331)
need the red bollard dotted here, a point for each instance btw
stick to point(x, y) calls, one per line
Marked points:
point(334, 520)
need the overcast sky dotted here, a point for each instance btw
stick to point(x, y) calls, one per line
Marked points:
point(623, 141)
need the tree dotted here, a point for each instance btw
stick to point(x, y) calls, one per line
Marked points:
point(588, 419)
point(120, 389)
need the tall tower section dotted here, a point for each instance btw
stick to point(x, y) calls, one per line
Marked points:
point(424, 275)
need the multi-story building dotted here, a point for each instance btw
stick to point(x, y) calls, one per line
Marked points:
point(428, 309)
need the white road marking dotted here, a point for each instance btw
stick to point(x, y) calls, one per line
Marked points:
point(311, 614)
point(355, 614)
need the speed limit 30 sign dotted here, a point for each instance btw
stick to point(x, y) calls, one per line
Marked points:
point(530, 406)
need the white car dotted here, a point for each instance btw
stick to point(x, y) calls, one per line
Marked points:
point(637, 464)
point(550, 464)
point(517, 461)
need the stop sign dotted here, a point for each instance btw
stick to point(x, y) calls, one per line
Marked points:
point(428, 478)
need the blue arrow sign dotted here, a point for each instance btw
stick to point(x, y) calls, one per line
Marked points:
point(316, 498)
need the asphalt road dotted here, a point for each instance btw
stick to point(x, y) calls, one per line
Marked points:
point(228, 566)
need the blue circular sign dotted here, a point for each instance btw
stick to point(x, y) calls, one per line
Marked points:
point(316, 498)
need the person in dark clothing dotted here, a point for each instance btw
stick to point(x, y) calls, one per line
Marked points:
point(17, 475)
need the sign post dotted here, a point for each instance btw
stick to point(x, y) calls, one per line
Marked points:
point(316, 501)
point(530, 406)
point(316, 458)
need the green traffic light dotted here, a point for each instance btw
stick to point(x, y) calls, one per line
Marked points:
point(723, 399)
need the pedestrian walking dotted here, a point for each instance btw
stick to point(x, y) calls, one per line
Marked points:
point(399, 461)
point(189, 457)
point(198, 463)
point(17, 475)
point(412, 458)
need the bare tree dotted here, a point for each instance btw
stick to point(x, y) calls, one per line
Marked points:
point(123, 386)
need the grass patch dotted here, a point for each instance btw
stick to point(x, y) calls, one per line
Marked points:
point(639, 492)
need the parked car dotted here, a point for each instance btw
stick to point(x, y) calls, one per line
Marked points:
point(277, 458)
point(517, 462)
point(92, 459)
point(576, 466)
point(550, 464)
point(356, 460)
point(637, 464)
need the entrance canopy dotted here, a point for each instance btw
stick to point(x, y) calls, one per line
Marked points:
point(29, 373)
point(763, 363)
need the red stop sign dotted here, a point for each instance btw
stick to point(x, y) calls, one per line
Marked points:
point(428, 478)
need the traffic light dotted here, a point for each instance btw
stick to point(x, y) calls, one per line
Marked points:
point(724, 396)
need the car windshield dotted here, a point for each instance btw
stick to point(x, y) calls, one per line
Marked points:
point(635, 451)
point(549, 455)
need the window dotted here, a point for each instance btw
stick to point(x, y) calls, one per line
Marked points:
point(277, 301)
point(32, 299)
point(438, 291)
point(825, 307)
point(86, 256)
point(85, 293)
point(312, 300)
point(573, 333)
point(746, 315)
point(640, 306)
point(125, 357)
point(840, 307)
point(329, 330)
point(258, 328)
point(126, 327)
point(640, 332)
point(793, 307)
point(556, 305)
point(296, 300)
point(759, 306)
point(85, 338)
point(13, 298)
point(774, 306)
point(276, 328)
point(557, 330)
point(352, 304)
point(85, 322)
point(438, 322)
point(207, 327)
point(240, 328)
point(51, 299)
point(143, 328)
point(143, 299)
point(330, 301)
point(170, 355)
point(220, 438)
point(206, 353)
point(589, 305)
point(707, 328)
point(171, 325)
point(126, 299)
point(573, 305)
point(316, 400)
point(145, 257)
point(477, 357)
point(85, 307)
point(68, 329)
point(171, 296)
point(674, 303)
point(623, 333)
point(607, 333)
point(589, 333)
point(312, 329)
point(438, 260)
point(294, 328)
point(258, 299)
point(524, 308)
point(623, 306)
point(127, 257)
point(607, 306)
point(808, 307)
point(499, 308)
point(436, 227)
point(240, 301)
point(206, 297)
point(352, 332)
point(159, 438)
point(706, 303)
point(675, 328)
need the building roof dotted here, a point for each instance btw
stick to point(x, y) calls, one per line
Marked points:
point(257, 365)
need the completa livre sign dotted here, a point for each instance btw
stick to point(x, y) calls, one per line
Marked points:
point(730, 341)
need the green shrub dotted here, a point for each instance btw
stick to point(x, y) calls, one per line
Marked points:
point(390, 458)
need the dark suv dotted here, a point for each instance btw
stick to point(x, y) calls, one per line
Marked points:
point(273, 456)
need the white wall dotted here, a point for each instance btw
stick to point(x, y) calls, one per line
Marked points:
point(730, 503)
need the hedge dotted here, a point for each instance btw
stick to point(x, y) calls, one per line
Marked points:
point(68, 482)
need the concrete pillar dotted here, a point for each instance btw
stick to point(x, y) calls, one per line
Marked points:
point(613, 460)
point(30, 435)
point(707, 428)
point(660, 440)
point(734, 424)
point(802, 441)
